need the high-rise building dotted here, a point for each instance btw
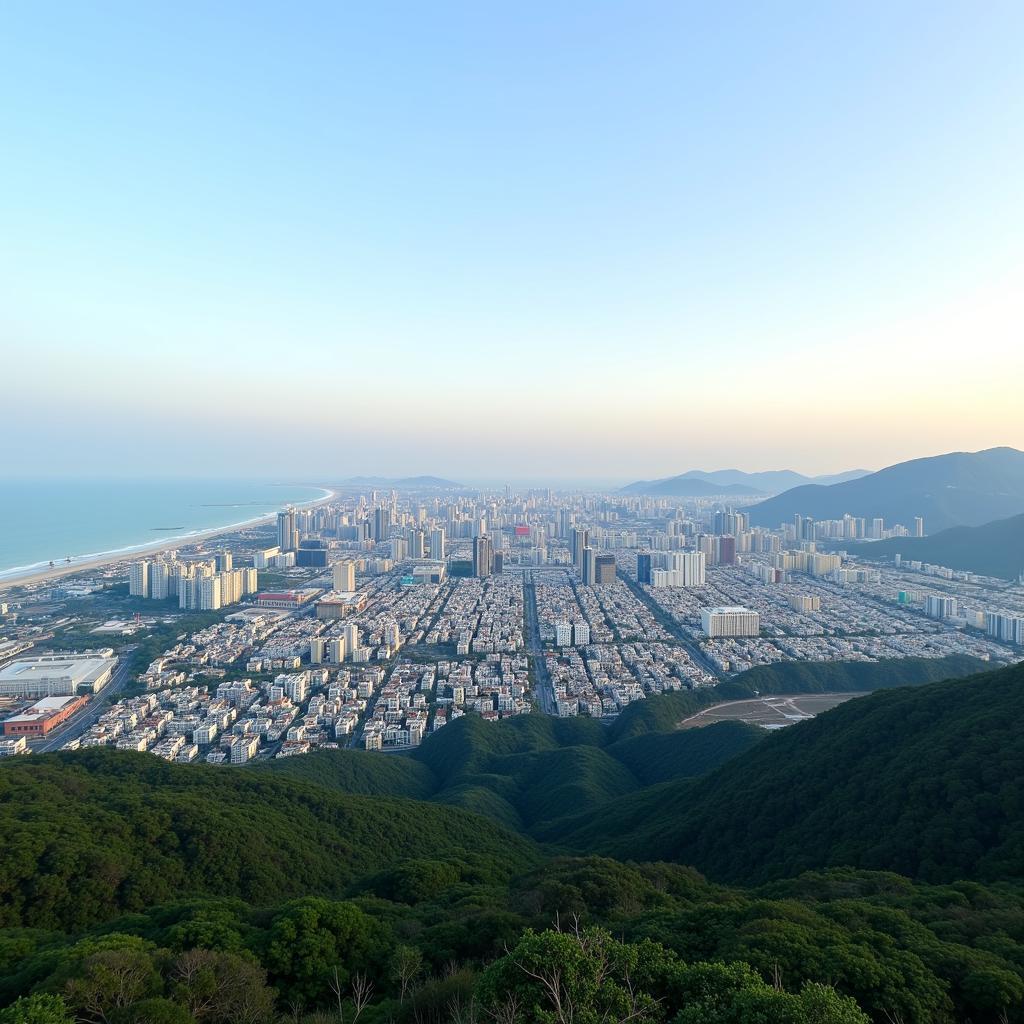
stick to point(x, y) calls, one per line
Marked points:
point(159, 580)
point(938, 606)
point(483, 556)
point(580, 540)
point(316, 651)
point(878, 528)
point(437, 545)
point(336, 650)
point(138, 579)
point(563, 634)
point(604, 570)
point(344, 576)
point(643, 568)
point(581, 633)
point(224, 561)
point(588, 569)
point(381, 524)
point(209, 593)
point(726, 550)
point(287, 534)
point(415, 544)
point(351, 634)
point(918, 526)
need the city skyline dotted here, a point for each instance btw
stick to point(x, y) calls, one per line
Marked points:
point(530, 239)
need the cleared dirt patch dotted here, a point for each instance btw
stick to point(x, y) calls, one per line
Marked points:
point(773, 712)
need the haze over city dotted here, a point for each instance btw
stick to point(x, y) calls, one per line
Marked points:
point(550, 242)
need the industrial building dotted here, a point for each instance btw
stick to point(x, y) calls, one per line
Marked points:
point(58, 675)
point(42, 717)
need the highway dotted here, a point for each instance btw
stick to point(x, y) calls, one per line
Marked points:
point(545, 692)
point(81, 720)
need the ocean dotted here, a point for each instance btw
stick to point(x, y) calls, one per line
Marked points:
point(44, 520)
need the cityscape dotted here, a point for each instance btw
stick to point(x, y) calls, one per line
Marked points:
point(379, 616)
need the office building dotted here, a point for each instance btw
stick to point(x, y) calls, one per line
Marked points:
point(580, 540)
point(643, 568)
point(588, 570)
point(381, 524)
point(730, 621)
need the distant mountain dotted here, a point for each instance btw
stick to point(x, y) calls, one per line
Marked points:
point(423, 482)
point(995, 549)
point(701, 483)
point(689, 487)
point(958, 489)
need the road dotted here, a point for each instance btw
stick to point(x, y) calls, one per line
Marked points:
point(544, 689)
point(81, 720)
point(682, 638)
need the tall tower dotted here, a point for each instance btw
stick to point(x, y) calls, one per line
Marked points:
point(287, 534)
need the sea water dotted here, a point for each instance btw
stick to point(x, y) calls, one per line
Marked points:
point(49, 520)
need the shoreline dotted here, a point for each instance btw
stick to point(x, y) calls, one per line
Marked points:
point(23, 577)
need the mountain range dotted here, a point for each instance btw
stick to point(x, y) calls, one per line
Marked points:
point(700, 483)
point(958, 489)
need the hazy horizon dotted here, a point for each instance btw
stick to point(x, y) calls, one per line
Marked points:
point(559, 241)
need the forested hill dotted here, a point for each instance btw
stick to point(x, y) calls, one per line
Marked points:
point(927, 782)
point(133, 891)
point(995, 549)
point(89, 834)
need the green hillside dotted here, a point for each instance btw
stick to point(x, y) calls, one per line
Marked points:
point(97, 832)
point(994, 549)
point(356, 772)
point(927, 782)
point(847, 676)
point(133, 891)
point(956, 489)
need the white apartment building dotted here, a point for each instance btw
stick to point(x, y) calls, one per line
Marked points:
point(730, 621)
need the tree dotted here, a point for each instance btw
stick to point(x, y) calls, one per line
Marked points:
point(406, 964)
point(37, 1009)
point(312, 938)
point(112, 980)
point(222, 988)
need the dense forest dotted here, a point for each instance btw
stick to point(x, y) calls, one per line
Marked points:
point(865, 865)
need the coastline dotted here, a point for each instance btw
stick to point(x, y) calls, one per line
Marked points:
point(16, 577)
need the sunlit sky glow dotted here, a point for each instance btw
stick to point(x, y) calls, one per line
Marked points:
point(544, 240)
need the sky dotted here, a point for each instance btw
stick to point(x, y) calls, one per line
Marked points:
point(534, 240)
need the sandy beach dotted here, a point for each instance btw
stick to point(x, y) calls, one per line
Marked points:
point(86, 563)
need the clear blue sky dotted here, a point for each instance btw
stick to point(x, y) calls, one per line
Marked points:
point(579, 239)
